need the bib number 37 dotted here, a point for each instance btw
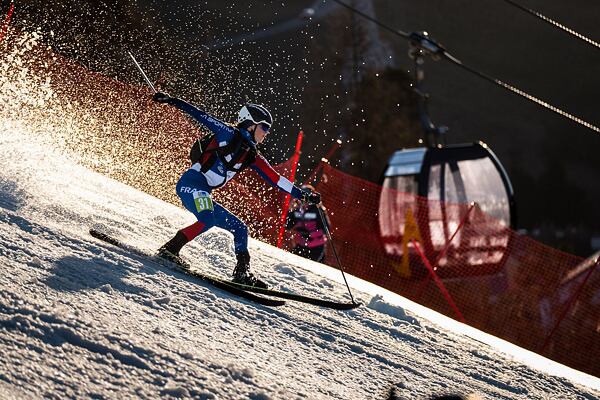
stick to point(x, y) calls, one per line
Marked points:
point(203, 201)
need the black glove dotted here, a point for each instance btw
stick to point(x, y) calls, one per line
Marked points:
point(310, 197)
point(161, 97)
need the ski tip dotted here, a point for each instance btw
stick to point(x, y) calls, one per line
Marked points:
point(95, 233)
point(349, 306)
point(104, 237)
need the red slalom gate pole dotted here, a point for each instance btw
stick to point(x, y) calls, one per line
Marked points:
point(286, 201)
point(439, 282)
point(568, 306)
point(458, 228)
point(443, 252)
point(7, 21)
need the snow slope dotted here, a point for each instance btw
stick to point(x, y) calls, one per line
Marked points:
point(80, 318)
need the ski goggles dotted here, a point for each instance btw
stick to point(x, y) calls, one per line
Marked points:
point(264, 126)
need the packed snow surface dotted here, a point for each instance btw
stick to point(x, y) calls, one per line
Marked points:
point(80, 318)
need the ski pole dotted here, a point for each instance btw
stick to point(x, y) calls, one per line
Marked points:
point(324, 220)
point(142, 71)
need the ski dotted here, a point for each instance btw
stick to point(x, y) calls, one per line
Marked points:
point(297, 297)
point(216, 282)
point(230, 286)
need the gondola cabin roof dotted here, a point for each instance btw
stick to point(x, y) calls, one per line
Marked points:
point(410, 161)
point(406, 162)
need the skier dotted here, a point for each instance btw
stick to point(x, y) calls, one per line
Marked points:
point(308, 228)
point(216, 159)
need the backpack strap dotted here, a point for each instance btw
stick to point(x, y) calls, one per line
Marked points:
point(200, 146)
point(206, 151)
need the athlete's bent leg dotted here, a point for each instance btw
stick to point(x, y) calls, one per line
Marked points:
point(199, 203)
point(226, 220)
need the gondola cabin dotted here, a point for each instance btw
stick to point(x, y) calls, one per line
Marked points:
point(456, 201)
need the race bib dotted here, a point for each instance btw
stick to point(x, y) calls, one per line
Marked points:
point(203, 201)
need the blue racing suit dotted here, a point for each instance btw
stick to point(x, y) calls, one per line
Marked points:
point(226, 155)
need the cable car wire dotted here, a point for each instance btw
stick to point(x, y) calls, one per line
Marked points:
point(422, 40)
point(527, 96)
point(554, 23)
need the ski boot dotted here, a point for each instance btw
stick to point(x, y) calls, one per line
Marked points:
point(170, 250)
point(242, 274)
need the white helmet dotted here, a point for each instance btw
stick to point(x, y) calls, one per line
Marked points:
point(255, 113)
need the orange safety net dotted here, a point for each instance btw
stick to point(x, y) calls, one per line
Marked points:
point(501, 282)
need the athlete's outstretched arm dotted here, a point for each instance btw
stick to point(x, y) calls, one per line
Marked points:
point(264, 169)
point(214, 124)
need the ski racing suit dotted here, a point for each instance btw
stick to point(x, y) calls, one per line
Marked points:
point(308, 228)
point(227, 154)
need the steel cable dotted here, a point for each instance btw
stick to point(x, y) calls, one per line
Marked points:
point(554, 23)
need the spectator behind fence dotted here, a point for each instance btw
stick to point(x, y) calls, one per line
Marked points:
point(308, 228)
